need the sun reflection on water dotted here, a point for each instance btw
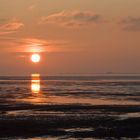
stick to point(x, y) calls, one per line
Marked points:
point(35, 83)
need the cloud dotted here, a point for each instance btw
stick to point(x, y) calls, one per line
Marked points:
point(41, 45)
point(72, 18)
point(7, 27)
point(30, 45)
point(6, 32)
point(131, 23)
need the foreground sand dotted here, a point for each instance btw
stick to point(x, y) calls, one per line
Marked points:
point(70, 121)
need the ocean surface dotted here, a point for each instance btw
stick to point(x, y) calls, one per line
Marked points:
point(70, 107)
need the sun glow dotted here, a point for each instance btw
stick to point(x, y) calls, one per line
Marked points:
point(35, 58)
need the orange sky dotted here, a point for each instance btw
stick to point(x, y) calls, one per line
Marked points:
point(72, 37)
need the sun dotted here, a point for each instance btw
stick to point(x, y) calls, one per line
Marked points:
point(35, 58)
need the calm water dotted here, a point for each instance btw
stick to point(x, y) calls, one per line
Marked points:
point(96, 90)
point(38, 97)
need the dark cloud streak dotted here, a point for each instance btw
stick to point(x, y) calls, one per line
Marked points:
point(131, 23)
point(72, 18)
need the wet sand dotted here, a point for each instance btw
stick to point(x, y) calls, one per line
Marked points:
point(70, 121)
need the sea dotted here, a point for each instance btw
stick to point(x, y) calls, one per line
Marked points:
point(94, 107)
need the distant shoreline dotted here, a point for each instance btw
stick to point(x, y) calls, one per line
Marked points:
point(76, 75)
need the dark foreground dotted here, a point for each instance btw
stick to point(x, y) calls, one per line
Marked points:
point(51, 108)
point(70, 121)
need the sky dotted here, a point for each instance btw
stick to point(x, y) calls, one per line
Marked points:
point(72, 37)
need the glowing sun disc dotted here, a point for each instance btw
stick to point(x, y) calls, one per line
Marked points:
point(35, 58)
